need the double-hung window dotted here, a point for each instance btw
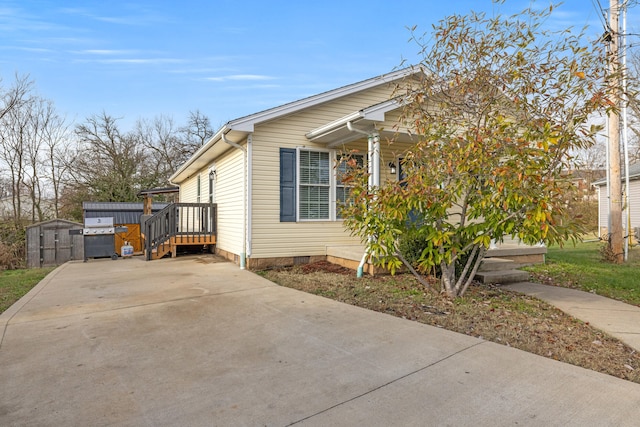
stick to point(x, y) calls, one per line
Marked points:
point(342, 190)
point(310, 184)
point(314, 185)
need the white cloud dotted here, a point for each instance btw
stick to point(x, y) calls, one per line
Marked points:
point(150, 61)
point(138, 16)
point(105, 52)
point(240, 77)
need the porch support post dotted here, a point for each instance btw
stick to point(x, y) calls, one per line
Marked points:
point(373, 167)
point(147, 203)
point(376, 159)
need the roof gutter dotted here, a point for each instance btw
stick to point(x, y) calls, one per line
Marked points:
point(223, 136)
point(205, 147)
point(334, 125)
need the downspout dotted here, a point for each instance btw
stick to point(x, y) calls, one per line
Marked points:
point(243, 254)
point(373, 167)
point(249, 194)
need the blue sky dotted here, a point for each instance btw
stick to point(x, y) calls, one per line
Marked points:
point(142, 58)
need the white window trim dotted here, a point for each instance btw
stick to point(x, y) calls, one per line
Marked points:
point(332, 185)
point(335, 186)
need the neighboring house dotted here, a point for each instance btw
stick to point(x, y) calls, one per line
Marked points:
point(634, 201)
point(26, 207)
point(583, 181)
point(273, 179)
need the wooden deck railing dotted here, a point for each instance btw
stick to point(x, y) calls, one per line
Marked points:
point(182, 224)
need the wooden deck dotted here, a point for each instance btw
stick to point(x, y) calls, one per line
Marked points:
point(180, 224)
point(172, 245)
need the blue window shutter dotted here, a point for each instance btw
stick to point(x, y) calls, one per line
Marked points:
point(287, 185)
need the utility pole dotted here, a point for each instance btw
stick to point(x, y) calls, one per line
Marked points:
point(615, 182)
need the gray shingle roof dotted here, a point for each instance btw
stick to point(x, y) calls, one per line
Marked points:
point(634, 173)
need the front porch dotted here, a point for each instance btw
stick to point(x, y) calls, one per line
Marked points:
point(511, 255)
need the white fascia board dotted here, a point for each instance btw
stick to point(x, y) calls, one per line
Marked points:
point(377, 112)
point(205, 147)
point(374, 113)
point(331, 126)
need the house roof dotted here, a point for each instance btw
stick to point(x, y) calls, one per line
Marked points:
point(247, 123)
point(634, 173)
point(236, 130)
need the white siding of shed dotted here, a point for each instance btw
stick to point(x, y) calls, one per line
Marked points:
point(634, 206)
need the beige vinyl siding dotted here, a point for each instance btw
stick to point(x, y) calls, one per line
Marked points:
point(188, 190)
point(270, 237)
point(229, 199)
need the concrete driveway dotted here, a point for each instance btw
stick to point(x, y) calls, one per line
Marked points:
point(196, 342)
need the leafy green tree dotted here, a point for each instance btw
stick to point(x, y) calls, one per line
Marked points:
point(499, 107)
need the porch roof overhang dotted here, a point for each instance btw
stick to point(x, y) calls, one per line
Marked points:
point(337, 132)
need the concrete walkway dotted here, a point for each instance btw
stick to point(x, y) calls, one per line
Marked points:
point(613, 317)
point(190, 341)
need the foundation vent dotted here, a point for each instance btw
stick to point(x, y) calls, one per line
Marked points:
point(298, 260)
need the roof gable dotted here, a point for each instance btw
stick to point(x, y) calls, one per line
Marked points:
point(247, 123)
point(237, 130)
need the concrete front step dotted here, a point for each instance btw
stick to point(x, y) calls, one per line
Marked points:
point(502, 276)
point(521, 254)
point(497, 264)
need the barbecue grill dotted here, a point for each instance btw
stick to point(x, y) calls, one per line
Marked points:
point(99, 238)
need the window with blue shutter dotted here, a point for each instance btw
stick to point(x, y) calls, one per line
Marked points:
point(287, 185)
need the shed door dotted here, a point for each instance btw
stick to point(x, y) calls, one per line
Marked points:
point(132, 235)
point(55, 246)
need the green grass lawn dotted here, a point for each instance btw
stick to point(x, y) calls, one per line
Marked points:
point(582, 267)
point(14, 284)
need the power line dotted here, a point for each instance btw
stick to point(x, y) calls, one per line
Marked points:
point(601, 14)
